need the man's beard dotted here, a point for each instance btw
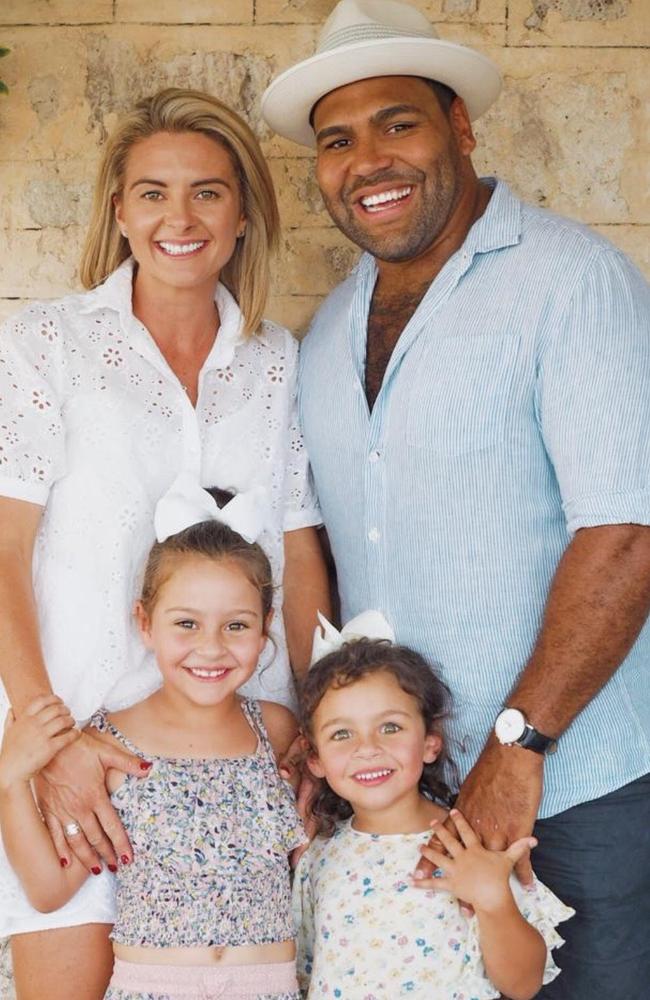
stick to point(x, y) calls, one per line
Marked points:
point(438, 191)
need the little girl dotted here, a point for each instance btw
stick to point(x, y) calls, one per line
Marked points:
point(372, 713)
point(204, 909)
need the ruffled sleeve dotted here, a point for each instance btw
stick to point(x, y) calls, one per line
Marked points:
point(544, 911)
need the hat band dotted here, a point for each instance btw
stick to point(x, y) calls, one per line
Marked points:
point(369, 33)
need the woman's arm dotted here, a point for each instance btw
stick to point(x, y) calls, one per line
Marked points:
point(29, 743)
point(71, 786)
point(21, 661)
point(306, 591)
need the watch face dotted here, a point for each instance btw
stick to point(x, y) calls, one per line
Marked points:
point(510, 725)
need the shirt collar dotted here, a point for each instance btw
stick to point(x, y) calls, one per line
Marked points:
point(116, 293)
point(499, 226)
point(501, 223)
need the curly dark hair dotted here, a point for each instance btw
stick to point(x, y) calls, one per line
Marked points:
point(215, 541)
point(349, 664)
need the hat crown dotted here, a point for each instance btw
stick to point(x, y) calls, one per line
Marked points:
point(354, 21)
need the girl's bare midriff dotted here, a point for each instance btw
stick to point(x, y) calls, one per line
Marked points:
point(247, 954)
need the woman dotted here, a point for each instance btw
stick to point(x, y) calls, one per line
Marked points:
point(165, 365)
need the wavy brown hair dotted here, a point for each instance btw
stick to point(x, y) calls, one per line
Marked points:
point(349, 664)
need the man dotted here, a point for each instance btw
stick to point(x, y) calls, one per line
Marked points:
point(476, 405)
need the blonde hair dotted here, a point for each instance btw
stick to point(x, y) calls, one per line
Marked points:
point(247, 273)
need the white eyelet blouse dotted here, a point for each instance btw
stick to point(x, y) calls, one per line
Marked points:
point(94, 427)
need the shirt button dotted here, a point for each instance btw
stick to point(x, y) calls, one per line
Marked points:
point(373, 456)
point(373, 535)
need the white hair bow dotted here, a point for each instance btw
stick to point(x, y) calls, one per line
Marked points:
point(185, 503)
point(367, 625)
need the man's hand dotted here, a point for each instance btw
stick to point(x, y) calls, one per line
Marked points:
point(468, 870)
point(500, 800)
point(72, 789)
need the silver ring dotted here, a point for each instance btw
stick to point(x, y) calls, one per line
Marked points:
point(71, 829)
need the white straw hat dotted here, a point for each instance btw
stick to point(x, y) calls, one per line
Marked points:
point(366, 38)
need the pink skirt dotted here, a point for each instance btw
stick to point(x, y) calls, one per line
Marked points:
point(272, 981)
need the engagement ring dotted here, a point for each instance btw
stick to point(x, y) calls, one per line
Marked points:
point(72, 829)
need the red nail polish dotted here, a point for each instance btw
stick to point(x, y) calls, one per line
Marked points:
point(124, 858)
point(145, 765)
point(96, 870)
point(112, 868)
point(63, 862)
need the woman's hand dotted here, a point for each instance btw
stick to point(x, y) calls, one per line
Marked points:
point(470, 872)
point(33, 740)
point(71, 790)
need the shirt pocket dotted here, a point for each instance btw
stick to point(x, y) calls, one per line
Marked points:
point(461, 394)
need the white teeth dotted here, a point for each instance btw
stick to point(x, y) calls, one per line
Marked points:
point(380, 199)
point(198, 672)
point(372, 775)
point(178, 249)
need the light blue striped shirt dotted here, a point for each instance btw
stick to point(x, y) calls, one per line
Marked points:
point(514, 410)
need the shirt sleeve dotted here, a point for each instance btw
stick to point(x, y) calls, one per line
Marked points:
point(300, 503)
point(594, 396)
point(32, 436)
point(303, 914)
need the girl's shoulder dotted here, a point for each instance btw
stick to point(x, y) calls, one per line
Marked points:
point(280, 724)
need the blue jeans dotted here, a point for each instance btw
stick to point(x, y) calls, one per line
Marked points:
point(596, 858)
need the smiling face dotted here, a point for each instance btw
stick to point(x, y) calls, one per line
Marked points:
point(371, 744)
point(391, 164)
point(180, 208)
point(206, 628)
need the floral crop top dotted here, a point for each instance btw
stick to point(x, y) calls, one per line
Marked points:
point(210, 841)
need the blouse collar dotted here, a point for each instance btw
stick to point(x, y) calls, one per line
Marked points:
point(116, 293)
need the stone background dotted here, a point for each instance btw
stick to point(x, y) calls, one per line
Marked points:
point(571, 130)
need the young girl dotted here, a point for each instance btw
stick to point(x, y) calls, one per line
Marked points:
point(372, 712)
point(203, 909)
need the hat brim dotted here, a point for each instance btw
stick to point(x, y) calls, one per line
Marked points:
point(288, 101)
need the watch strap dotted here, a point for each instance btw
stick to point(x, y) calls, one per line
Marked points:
point(531, 739)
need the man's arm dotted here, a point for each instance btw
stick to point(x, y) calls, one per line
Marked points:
point(597, 604)
point(306, 591)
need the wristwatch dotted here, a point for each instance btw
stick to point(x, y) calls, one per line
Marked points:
point(513, 728)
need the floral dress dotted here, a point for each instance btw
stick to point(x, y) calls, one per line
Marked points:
point(366, 934)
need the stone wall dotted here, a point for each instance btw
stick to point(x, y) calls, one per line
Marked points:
point(571, 130)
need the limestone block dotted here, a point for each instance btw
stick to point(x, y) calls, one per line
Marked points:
point(571, 131)
point(632, 240)
point(298, 196)
point(43, 193)
point(55, 11)
point(185, 12)
point(68, 85)
point(312, 262)
point(316, 11)
point(579, 22)
point(39, 263)
point(44, 115)
point(293, 311)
